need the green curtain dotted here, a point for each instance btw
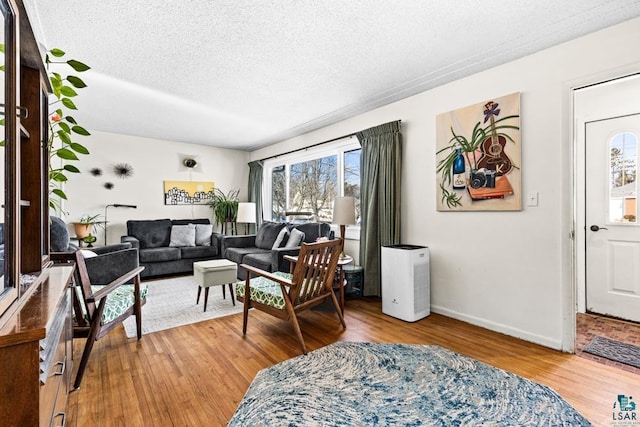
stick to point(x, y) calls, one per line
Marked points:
point(380, 165)
point(255, 190)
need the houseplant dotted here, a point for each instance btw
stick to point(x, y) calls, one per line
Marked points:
point(84, 227)
point(224, 206)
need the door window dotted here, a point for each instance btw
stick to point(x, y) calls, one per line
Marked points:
point(623, 188)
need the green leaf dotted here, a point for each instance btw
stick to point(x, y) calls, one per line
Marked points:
point(65, 127)
point(78, 66)
point(69, 103)
point(2, 143)
point(57, 177)
point(68, 91)
point(66, 154)
point(76, 82)
point(71, 168)
point(57, 52)
point(2, 68)
point(78, 148)
point(59, 112)
point(80, 130)
point(1, 122)
point(71, 120)
point(64, 137)
point(58, 192)
point(2, 47)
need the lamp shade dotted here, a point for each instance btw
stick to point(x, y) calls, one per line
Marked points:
point(344, 211)
point(246, 212)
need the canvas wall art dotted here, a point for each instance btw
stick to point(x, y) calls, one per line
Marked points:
point(188, 192)
point(478, 157)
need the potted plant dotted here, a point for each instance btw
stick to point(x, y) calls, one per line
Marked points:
point(84, 227)
point(224, 206)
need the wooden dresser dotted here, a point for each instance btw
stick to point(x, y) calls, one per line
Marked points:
point(36, 353)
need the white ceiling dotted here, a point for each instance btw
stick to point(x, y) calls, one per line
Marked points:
point(244, 74)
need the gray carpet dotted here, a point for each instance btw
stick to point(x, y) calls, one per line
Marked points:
point(172, 303)
point(628, 354)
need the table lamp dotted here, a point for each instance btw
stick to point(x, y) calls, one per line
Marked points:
point(246, 214)
point(344, 213)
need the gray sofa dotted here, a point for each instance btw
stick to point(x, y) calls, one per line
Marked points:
point(152, 238)
point(258, 249)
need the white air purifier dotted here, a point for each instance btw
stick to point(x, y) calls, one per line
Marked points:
point(405, 282)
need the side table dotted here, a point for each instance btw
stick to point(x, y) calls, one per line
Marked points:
point(354, 275)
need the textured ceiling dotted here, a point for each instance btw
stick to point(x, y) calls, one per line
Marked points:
point(244, 74)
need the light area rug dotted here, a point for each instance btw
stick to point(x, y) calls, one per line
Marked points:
point(368, 384)
point(172, 303)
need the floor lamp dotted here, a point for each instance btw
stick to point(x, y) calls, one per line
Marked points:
point(344, 213)
point(116, 205)
point(246, 214)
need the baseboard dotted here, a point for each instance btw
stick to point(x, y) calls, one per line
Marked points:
point(498, 327)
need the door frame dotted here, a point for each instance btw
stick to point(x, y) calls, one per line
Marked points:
point(575, 301)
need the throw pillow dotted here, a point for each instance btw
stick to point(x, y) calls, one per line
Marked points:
point(267, 234)
point(183, 235)
point(281, 239)
point(203, 234)
point(295, 238)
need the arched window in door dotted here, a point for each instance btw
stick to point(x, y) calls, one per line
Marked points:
point(623, 187)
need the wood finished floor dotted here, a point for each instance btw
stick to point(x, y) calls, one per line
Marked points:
point(196, 375)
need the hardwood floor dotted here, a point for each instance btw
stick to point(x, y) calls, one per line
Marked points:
point(197, 374)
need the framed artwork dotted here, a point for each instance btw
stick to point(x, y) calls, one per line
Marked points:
point(478, 157)
point(188, 192)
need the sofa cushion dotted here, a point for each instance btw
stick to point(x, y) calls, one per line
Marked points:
point(199, 252)
point(237, 254)
point(313, 230)
point(152, 233)
point(159, 254)
point(267, 234)
point(295, 238)
point(183, 235)
point(118, 301)
point(203, 234)
point(259, 260)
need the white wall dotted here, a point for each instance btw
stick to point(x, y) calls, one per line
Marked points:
point(153, 162)
point(508, 271)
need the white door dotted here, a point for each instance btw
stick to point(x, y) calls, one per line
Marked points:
point(611, 217)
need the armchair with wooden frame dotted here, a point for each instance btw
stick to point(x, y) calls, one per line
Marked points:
point(108, 291)
point(284, 295)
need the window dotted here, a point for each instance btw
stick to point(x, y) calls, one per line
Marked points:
point(622, 177)
point(308, 181)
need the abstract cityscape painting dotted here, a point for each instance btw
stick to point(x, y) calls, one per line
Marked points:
point(478, 157)
point(188, 192)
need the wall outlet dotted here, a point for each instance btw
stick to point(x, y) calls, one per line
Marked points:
point(532, 199)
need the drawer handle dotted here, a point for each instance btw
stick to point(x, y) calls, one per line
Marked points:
point(61, 371)
point(64, 418)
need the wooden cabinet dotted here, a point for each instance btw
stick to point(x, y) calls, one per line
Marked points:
point(36, 353)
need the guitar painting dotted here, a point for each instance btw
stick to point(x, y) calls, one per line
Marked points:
point(493, 155)
point(478, 156)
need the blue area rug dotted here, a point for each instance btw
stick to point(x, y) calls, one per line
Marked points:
point(367, 384)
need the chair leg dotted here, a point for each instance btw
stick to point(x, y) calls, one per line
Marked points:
point(224, 294)
point(336, 304)
point(245, 311)
point(206, 297)
point(91, 339)
point(294, 322)
point(233, 299)
point(198, 298)
point(137, 308)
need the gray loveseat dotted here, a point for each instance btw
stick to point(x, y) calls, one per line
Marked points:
point(258, 249)
point(153, 239)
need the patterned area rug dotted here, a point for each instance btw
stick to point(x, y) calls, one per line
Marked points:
point(366, 384)
point(172, 303)
point(628, 354)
